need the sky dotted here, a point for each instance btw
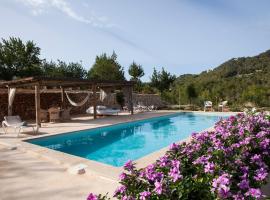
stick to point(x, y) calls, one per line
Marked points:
point(183, 36)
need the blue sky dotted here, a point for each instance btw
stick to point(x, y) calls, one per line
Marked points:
point(183, 36)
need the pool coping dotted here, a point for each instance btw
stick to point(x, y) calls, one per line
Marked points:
point(95, 168)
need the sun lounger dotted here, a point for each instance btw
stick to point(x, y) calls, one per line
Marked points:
point(103, 110)
point(142, 108)
point(16, 123)
point(151, 108)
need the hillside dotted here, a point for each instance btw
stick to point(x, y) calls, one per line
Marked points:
point(238, 80)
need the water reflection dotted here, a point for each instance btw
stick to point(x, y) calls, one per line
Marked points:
point(84, 144)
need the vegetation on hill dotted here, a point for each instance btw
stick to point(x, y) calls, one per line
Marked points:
point(239, 80)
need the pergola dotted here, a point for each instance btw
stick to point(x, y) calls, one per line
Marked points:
point(63, 83)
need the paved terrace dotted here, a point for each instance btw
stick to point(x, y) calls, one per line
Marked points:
point(33, 172)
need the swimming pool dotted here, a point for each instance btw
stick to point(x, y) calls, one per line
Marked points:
point(116, 144)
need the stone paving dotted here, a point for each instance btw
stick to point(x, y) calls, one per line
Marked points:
point(25, 175)
point(33, 172)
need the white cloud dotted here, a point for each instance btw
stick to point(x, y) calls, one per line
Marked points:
point(38, 7)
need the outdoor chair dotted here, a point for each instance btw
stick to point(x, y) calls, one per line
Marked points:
point(16, 123)
point(151, 108)
point(43, 115)
point(222, 106)
point(65, 114)
point(208, 105)
point(142, 107)
point(54, 113)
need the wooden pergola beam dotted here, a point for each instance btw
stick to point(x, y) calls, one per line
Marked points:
point(95, 100)
point(131, 101)
point(9, 105)
point(63, 102)
point(37, 104)
point(65, 82)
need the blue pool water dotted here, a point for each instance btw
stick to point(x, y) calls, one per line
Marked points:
point(116, 144)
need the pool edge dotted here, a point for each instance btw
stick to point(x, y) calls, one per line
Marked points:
point(96, 168)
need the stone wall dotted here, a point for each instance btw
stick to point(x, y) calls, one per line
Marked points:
point(148, 100)
point(24, 102)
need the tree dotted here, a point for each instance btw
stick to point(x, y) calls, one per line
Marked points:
point(18, 59)
point(162, 80)
point(72, 70)
point(135, 71)
point(191, 92)
point(62, 69)
point(50, 69)
point(166, 79)
point(106, 68)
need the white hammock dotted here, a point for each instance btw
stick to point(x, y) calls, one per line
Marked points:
point(80, 103)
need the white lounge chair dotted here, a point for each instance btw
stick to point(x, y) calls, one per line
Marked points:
point(16, 123)
point(140, 107)
point(222, 105)
point(103, 110)
point(208, 105)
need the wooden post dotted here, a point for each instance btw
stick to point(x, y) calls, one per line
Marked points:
point(9, 105)
point(37, 102)
point(95, 101)
point(131, 100)
point(63, 103)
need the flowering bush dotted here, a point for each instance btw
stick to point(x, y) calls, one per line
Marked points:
point(230, 162)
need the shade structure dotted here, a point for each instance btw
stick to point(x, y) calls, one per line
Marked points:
point(84, 84)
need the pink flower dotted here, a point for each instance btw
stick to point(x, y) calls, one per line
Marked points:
point(174, 146)
point(238, 196)
point(261, 174)
point(144, 195)
point(224, 192)
point(265, 143)
point(253, 192)
point(158, 187)
point(129, 166)
point(163, 161)
point(120, 190)
point(244, 184)
point(175, 174)
point(122, 176)
point(176, 163)
point(91, 196)
point(127, 198)
point(209, 167)
point(221, 184)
